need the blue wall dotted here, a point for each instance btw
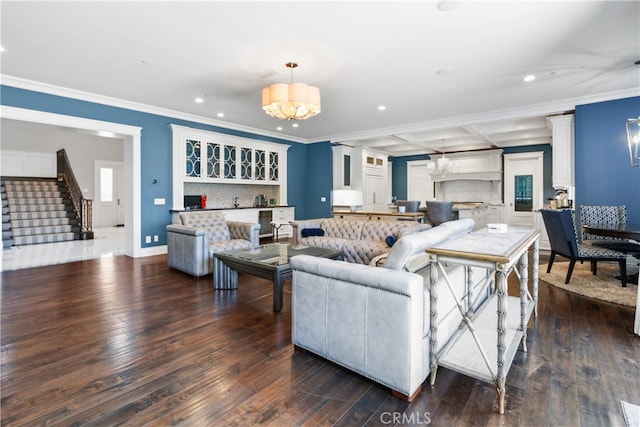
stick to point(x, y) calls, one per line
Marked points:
point(156, 151)
point(604, 175)
point(603, 172)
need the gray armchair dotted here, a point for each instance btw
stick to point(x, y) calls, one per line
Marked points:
point(191, 245)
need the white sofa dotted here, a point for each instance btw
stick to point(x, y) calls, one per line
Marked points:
point(376, 320)
point(361, 241)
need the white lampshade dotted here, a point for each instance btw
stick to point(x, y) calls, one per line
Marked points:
point(293, 101)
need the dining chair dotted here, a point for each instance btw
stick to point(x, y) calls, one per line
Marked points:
point(560, 226)
point(439, 212)
point(613, 216)
point(410, 205)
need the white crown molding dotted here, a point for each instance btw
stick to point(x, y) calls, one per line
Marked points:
point(542, 109)
point(547, 108)
point(121, 103)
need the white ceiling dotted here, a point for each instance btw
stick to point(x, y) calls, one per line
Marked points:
point(450, 78)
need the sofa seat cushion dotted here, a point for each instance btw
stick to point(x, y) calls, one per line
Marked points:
point(363, 251)
point(335, 243)
point(228, 245)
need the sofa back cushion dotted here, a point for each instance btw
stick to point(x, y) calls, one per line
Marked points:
point(378, 231)
point(408, 249)
point(336, 227)
point(214, 222)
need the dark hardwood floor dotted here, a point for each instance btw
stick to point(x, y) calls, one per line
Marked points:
point(122, 341)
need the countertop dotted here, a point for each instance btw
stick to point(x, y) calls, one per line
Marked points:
point(229, 209)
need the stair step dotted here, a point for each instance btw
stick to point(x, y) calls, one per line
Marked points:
point(43, 238)
point(32, 194)
point(37, 208)
point(19, 201)
point(7, 243)
point(42, 222)
point(32, 231)
point(6, 226)
point(30, 187)
point(37, 215)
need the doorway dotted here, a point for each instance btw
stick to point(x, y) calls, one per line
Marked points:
point(109, 203)
point(523, 187)
point(419, 182)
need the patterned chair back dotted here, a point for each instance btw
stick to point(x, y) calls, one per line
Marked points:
point(614, 216)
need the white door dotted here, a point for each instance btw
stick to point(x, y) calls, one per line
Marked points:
point(108, 206)
point(523, 187)
point(419, 182)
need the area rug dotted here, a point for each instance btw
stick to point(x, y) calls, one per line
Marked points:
point(631, 414)
point(604, 286)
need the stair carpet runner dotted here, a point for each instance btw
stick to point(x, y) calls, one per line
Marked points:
point(36, 213)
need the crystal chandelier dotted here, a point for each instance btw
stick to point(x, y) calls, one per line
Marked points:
point(442, 167)
point(293, 101)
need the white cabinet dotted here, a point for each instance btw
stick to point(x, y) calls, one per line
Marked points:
point(538, 223)
point(242, 215)
point(282, 216)
point(365, 172)
point(563, 151)
point(342, 167)
point(214, 158)
point(495, 214)
point(479, 215)
point(375, 193)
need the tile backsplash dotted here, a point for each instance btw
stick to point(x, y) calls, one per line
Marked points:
point(223, 195)
point(468, 190)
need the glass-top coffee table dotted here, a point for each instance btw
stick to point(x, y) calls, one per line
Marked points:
point(268, 261)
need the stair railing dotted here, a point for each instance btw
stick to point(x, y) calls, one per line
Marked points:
point(83, 207)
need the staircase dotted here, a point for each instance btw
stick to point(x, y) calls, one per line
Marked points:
point(36, 210)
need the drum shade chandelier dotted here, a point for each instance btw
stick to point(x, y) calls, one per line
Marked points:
point(633, 139)
point(293, 101)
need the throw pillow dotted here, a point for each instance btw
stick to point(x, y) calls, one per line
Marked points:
point(308, 232)
point(390, 240)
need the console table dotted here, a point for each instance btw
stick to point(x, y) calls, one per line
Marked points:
point(488, 338)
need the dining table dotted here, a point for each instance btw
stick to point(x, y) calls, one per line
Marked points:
point(622, 231)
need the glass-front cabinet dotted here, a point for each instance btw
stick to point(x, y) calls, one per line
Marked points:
point(223, 158)
point(215, 158)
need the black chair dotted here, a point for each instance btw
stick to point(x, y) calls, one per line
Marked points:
point(561, 230)
point(439, 212)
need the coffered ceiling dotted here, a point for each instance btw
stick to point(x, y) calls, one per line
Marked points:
point(450, 73)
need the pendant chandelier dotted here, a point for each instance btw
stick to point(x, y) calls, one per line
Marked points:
point(293, 101)
point(442, 167)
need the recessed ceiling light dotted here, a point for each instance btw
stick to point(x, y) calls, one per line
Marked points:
point(447, 5)
point(444, 71)
point(381, 108)
point(295, 125)
point(199, 100)
point(529, 78)
point(220, 114)
point(279, 128)
point(1, 48)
